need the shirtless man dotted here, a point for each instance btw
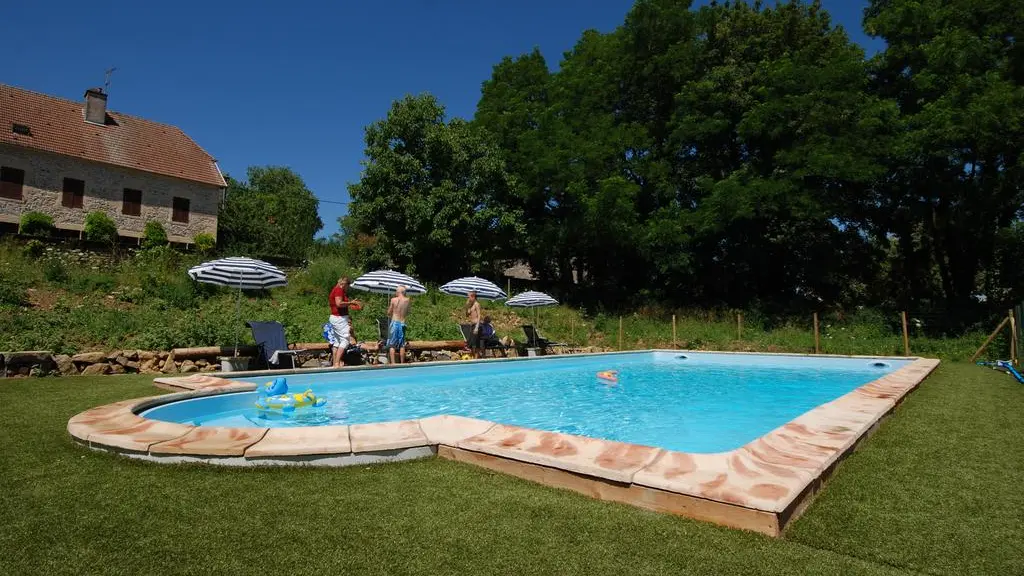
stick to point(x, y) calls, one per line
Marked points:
point(473, 312)
point(397, 310)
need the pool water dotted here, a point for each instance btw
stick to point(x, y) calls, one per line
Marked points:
point(690, 402)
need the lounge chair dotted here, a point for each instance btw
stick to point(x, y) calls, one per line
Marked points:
point(535, 340)
point(270, 339)
point(492, 344)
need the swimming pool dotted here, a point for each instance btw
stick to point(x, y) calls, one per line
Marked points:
point(689, 402)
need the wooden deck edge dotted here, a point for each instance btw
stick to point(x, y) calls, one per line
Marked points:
point(641, 496)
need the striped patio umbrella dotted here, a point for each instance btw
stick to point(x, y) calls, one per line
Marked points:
point(387, 281)
point(531, 299)
point(485, 289)
point(241, 273)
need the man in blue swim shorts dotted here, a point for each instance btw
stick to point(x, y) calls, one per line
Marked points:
point(397, 310)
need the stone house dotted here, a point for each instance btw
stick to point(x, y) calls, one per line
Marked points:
point(67, 159)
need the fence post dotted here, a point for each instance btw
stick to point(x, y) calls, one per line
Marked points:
point(817, 341)
point(674, 345)
point(739, 326)
point(906, 335)
point(1013, 338)
point(620, 332)
point(572, 330)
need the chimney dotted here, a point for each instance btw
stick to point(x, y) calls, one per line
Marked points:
point(95, 106)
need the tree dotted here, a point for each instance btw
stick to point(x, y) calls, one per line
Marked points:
point(272, 213)
point(955, 181)
point(719, 156)
point(434, 196)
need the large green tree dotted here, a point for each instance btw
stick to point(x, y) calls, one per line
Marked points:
point(434, 196)
point(956, 174)
point(271, 213)
point(713, 156)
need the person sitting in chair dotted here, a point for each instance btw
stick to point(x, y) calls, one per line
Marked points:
point(488, 338)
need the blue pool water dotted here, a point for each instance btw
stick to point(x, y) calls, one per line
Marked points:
point(704, 402)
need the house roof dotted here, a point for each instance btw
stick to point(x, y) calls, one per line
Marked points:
point(58, 126)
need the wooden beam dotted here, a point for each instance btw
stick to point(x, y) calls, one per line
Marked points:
point(989, 340)
point(906, 335)
point(1013, 338)
point(817, 340)
point(213, 351)
point(674, 345)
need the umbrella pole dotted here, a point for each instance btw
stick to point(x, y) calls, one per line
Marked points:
point(238, 314)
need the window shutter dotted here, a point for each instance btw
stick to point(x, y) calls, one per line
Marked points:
point(11, 182)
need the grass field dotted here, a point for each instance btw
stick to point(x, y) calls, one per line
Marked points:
point(937, 490)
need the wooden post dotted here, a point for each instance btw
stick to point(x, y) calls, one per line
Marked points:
point(1013, 338)
point(620, 332)
point(989, 340)
point(572, 330)
point(906, 335)
point(674, 345)
point(508, 290)
point(739, 326)
point(817, 340)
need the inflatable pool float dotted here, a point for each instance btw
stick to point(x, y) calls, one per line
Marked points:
point(275, 400)
point(609, 375)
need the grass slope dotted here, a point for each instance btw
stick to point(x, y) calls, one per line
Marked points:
point(936, 490)
point(146, 301)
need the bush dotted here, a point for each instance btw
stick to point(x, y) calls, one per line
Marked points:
point(54, 271)
point(11, 293)
point(100, 228)
point(205, 243)
point(36, 224)
point(34, 249)
point(154, 235)
point(89, 282)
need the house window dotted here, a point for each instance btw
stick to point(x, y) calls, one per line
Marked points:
point(11, 182)
point(74, 192)
point(180, 210)
point(132, 204)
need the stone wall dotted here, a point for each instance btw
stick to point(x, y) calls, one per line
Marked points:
point(104, 189)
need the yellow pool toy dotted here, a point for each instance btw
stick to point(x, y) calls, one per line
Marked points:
point(609, 375)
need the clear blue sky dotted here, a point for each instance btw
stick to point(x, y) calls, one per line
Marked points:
point(294, 83)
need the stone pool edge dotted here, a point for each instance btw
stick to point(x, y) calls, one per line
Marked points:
point(760, 486)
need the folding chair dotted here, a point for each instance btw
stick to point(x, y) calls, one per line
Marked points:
point(270, 339)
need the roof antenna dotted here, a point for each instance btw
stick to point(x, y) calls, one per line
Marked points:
point(106, 79)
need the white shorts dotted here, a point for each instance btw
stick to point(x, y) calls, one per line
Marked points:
point(340, 330)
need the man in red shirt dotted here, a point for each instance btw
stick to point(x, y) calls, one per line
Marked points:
point(341, 325)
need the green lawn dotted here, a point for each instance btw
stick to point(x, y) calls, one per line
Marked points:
point(937, 490)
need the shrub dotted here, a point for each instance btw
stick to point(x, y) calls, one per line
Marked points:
point(54, 271)
point(100, 228)
point(154, 235)
point(205, 243)
point(11, 293)
point(34, 249)
point(89, 282)
point(36, 224)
